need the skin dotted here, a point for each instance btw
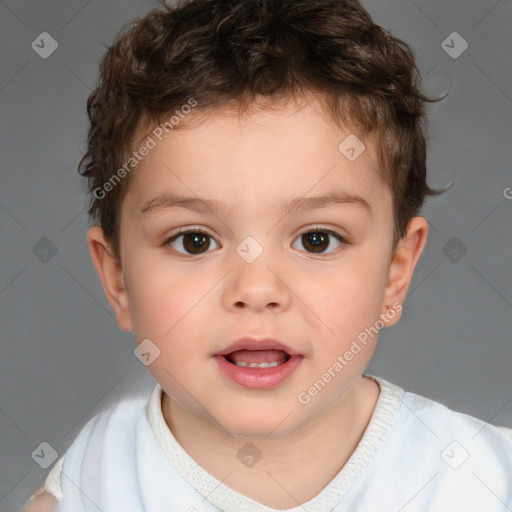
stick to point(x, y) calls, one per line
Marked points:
point(44, 502)
point(192, 306)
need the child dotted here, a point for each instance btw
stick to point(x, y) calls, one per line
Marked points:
point(256, 170)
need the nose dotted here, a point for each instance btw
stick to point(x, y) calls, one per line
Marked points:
point(257, 286)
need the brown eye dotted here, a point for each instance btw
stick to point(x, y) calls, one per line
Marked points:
point(190, 242)
point(318, 241)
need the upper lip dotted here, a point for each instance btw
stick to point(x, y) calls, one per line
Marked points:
point(256, 344)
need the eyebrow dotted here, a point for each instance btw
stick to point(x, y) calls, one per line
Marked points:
point(298, 205)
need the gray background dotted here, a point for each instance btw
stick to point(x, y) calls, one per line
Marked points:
point(62, 356)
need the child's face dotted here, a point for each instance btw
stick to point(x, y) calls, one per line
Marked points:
point(194, 297)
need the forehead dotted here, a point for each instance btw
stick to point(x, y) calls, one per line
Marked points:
point(276, 152)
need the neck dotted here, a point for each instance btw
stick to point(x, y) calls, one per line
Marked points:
point(293, 468)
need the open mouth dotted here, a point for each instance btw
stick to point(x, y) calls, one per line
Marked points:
point(257, 358)
point(261, 365)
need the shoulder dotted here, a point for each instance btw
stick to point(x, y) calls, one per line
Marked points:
point(129, 408)
point(439, 419)
point(113, 430)
point(459, 446)
point(114, 423)
point(114, 426)
point(506, 430)
point(459, 462)
point(418, 420)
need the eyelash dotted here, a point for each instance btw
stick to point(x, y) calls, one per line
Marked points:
point(316, 229)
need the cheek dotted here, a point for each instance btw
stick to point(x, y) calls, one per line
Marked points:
point(163, 304)
point(351, 299)
point(168, 314)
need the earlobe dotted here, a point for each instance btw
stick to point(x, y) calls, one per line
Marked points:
point(110, 273)
point(403, 263)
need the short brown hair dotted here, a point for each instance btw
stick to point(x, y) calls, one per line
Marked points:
point(220, 51)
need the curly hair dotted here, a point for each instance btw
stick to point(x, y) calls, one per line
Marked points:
point(222, 51)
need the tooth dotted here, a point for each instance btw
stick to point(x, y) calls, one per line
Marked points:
point(257, 365)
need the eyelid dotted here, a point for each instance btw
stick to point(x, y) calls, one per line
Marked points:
point(318, 227)
point(342, 238)
point(198, 229)
point(188, 229)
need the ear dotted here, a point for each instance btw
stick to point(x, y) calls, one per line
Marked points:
point(402, 265)
point(111, 276)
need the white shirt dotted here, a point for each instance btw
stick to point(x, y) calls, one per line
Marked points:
point(415, 455)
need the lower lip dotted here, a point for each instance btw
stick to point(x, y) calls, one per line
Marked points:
point(259, 378)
